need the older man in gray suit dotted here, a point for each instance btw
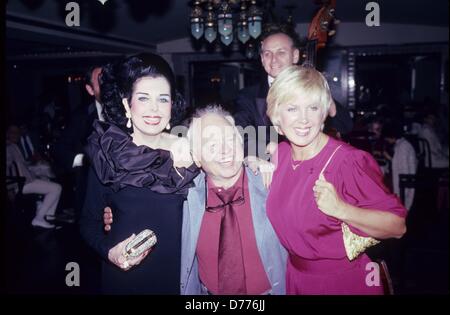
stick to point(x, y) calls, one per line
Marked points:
point(255, 254)
point(228, 243)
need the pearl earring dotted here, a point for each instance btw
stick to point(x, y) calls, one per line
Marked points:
point(129, 120)
point(168, 126)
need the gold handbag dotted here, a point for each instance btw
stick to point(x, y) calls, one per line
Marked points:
point(353, 243)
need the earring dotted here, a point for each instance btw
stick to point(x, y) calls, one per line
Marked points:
point(278, 130)
point(168, 126)
point(129, 120)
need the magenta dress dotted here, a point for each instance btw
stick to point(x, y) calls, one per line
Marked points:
point(317, 261)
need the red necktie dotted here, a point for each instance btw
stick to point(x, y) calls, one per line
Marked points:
point(231, 263)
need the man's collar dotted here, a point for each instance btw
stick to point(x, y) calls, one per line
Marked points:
point(254, 181)
point(237, 184)
point(99, 108)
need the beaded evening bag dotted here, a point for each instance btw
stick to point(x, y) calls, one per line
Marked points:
point(354, 244)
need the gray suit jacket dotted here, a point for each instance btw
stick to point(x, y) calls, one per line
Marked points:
point(273, 255)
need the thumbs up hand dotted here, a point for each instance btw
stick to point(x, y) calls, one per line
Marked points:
point(327, 198)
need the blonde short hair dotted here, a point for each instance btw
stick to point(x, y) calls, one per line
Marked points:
point(291, 82)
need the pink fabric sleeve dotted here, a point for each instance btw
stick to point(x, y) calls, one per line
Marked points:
point(363, 184)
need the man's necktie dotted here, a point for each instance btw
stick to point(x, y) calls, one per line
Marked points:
point(231, 263)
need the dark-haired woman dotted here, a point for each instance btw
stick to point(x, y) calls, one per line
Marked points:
point(137, 171)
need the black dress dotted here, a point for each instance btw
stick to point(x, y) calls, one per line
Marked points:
point(144, 192)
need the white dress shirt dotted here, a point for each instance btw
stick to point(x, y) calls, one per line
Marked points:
point(78, 160)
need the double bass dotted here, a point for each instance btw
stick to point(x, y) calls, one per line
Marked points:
point(320, 29)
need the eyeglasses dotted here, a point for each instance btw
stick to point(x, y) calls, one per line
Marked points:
point(238, 201)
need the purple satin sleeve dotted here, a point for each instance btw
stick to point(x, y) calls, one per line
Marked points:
point(118, 162)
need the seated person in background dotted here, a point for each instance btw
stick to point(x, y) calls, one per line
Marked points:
point(403, 160)
point(51, 191)
point(439, 155)
point(28, 144)
point(30, 150)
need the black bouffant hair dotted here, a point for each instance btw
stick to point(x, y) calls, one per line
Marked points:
point(117, 82)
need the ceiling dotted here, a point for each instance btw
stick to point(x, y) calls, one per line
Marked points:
point(39, 25)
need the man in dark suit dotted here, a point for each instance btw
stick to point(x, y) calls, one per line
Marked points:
point(278, 51)
point(68, 151)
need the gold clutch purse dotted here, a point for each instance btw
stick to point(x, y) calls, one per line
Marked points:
point(355, 244)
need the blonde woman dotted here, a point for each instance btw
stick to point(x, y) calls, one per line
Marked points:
point(319, 184)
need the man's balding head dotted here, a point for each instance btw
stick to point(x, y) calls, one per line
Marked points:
point(216, 143)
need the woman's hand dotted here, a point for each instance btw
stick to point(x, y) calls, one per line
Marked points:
point(327, 199)
point(107, 219)
point(116, 255)
point(181, 153)
point(264, 167)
